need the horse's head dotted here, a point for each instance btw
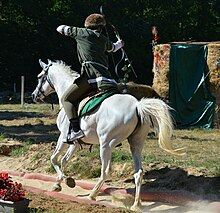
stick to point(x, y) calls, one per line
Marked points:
point(44, 86)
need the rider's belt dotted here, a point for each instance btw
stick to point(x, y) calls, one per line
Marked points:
point(96, 63)
point(101, 79)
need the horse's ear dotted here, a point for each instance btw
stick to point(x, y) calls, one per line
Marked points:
point(42, 64)
point(49, 61)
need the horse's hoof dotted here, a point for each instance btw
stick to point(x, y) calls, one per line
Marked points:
point(56, 188)
point(70, 182)
point(91, 198)
point(135, 208)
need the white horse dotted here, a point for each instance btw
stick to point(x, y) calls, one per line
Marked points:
point(119, 117)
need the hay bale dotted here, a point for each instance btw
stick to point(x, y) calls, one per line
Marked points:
point(161, 70)
point(214, 80)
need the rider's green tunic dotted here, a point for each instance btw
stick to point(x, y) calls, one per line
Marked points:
point(91, 49)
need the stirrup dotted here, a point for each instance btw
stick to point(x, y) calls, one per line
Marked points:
point(72, 136)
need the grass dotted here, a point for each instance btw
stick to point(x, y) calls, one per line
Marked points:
point(51, 169)
point(202, 153)
point(28, 107)
point(2, 136)
point(202, 146)
point(84, 168)
point(21, 150)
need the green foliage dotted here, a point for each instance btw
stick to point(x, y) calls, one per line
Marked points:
point(28, 31)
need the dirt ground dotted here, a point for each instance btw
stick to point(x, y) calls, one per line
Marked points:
point(44, 203)
point(40, 129)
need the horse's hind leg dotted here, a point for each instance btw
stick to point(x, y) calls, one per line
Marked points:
point(105, 155)
point(136, 142)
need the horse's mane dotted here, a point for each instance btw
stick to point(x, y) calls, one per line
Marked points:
point(66, 68)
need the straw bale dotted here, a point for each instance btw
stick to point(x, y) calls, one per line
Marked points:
point(161, 69)
point(214, 80)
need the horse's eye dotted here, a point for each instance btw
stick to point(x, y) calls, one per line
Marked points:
point(42, 78)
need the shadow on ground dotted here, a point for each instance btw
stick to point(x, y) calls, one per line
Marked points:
point(34, 127)
point(164, 179)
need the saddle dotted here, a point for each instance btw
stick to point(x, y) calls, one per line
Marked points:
point(93, 100)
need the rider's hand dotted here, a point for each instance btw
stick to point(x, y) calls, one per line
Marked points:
point(60, 28)
point(118, 44)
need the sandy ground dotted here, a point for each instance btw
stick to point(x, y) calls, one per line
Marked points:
point(115, 200)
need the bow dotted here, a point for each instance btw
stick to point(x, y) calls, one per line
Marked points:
point(106, 31)
point(124, 55)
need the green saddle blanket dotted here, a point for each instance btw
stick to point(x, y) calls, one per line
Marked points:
point(94, 102)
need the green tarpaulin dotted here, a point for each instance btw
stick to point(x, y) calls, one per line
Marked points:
point(188, 94)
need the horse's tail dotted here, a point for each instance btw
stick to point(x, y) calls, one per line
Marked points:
point(157, 112)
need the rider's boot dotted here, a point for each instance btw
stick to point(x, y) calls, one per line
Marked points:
point(74, 132)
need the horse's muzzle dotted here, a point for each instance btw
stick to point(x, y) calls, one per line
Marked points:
point(33, 97)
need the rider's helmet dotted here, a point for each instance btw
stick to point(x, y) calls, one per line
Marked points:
point(94, 21)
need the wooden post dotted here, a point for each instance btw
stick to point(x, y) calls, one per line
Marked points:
point(15, 88)
point(22, 91)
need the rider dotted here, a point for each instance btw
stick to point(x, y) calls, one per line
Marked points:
point(91, 48)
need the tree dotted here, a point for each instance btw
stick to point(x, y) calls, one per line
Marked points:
point(28, 31)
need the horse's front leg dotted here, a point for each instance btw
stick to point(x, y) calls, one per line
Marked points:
point(54, 161)
point(105, 155)
point(71, 150)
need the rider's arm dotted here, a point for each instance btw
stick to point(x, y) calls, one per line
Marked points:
point(71, 31)
point(64, 29)
point(68, 30)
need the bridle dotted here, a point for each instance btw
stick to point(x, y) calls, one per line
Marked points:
point(43, 77)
